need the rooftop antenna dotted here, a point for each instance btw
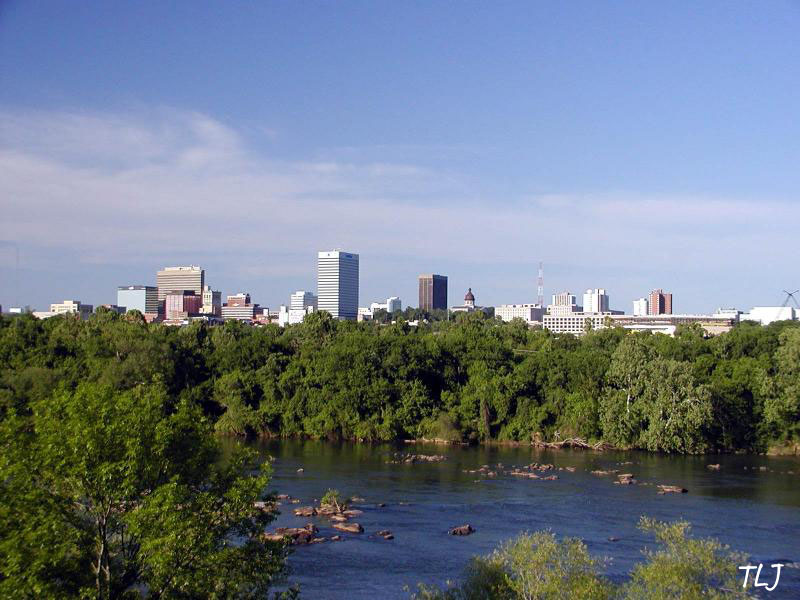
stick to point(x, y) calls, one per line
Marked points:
point(790, 295)
point(540, 290)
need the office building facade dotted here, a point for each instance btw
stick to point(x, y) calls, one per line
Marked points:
point(301, 300)
point(659, 302)
point(563, 304)
point(182, 305)
point(337, 283)
point(239, 307)
point(212, 302)
point(143, 298)
point(640, 307)
point(595, 301)
point(179, 279)
point(433, 292)
point(68, 307)
point(391, 305)
point(576, 323)
point(530, 313)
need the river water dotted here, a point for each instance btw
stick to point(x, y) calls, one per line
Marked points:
point(751, 503)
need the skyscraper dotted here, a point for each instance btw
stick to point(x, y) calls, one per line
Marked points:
point(659, 303)
point(337, 283)
point(433, 292)
point(179, 279)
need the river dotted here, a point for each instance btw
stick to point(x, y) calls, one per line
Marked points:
point(751, 503)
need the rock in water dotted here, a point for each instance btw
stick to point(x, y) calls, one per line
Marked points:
point(625, 479)
point(462, 530)
point(349, 527)
point(671, 489)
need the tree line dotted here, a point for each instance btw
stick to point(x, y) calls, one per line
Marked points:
point(472, 379)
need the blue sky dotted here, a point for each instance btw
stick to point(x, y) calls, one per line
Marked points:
point(627, 145)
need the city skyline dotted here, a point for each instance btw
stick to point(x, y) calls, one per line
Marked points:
point(196, 273)
point(664, 159)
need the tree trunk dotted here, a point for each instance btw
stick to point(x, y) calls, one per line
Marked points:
point(102, 569)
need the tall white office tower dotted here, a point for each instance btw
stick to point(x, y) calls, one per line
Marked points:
point(595, 301)
point(337, 283)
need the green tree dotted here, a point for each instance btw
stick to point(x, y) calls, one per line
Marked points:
point(677, 411)
point(685, 568)
point(105, 494)
point(622, 406)
point(534, 566)
point(782, 405)
point(539, 566)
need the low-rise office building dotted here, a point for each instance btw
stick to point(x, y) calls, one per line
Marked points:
point(238, 307)
point(530, 313)
point(667, 323)
point(291, 316)
point(67, 307)
point(576, 323)
point(580, 323)
point(391, 305)
point(239, 312)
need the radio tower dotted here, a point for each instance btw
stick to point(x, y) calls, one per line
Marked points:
point(541, 284)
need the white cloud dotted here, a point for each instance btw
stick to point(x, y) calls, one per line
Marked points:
point(143, 188)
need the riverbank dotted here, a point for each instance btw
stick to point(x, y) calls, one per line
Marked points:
point(786, 449)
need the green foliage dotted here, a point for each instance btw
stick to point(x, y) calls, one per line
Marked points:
point(539, 566)
point(103, 492)
point(470, 378)
point(685, 568)
point(782, 405)
point(333, 498)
